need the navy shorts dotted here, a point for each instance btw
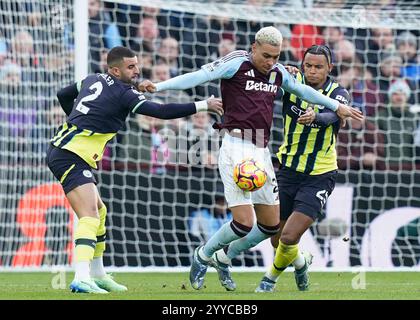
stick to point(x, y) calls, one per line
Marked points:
point(304, 193)
point(71, 170)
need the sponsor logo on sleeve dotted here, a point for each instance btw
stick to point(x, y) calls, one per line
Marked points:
point(212, 66)
point(342, 99)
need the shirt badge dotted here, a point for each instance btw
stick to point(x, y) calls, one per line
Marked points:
point(272, 77)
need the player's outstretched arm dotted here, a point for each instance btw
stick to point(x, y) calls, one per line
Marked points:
point(311, 95)
point(179, 110)
point(182, 82)
point(223, 68)
point(66, 97)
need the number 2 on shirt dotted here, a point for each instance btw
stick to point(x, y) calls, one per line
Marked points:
point(97, 87)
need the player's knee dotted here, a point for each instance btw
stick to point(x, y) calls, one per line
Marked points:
point(90, 211)
point(288, 238)
point(247, 222)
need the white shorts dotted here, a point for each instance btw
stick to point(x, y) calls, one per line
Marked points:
point(233, 151)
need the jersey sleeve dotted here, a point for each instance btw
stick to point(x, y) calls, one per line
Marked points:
point(166, 111)
point(223, 68)
point(342, 95)
point(79, 85)
point(305, 92)
point(132, 99)
point(328, 117)
point(66, 97)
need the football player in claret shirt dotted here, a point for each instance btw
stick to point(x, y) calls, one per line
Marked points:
point(249, 84)
point(97, 107)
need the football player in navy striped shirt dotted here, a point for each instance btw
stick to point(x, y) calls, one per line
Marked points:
point(97, 107)
point(308, 165)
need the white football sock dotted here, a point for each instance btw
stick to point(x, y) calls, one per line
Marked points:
point(299, 262)
point(97, 269)
point(82, 271)
point(222, 257)
point(203, 255)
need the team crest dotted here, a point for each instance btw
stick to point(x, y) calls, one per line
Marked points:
point(87, 174)
point(272, 77)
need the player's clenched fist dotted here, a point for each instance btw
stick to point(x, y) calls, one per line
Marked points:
point(146, 86)
point(215, 105)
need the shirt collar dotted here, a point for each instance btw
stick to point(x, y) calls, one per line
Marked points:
point(326, 86)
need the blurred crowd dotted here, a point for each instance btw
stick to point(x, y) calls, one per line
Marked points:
point(380, 67)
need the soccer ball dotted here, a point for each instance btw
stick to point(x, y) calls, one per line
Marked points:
point(249, 175)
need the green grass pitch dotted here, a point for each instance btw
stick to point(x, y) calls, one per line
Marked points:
point(175, 286)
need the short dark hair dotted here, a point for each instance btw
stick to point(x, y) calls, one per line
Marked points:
point(117, 54)
point(319, 50)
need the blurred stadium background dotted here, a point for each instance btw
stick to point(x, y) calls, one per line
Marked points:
point(160, 206)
